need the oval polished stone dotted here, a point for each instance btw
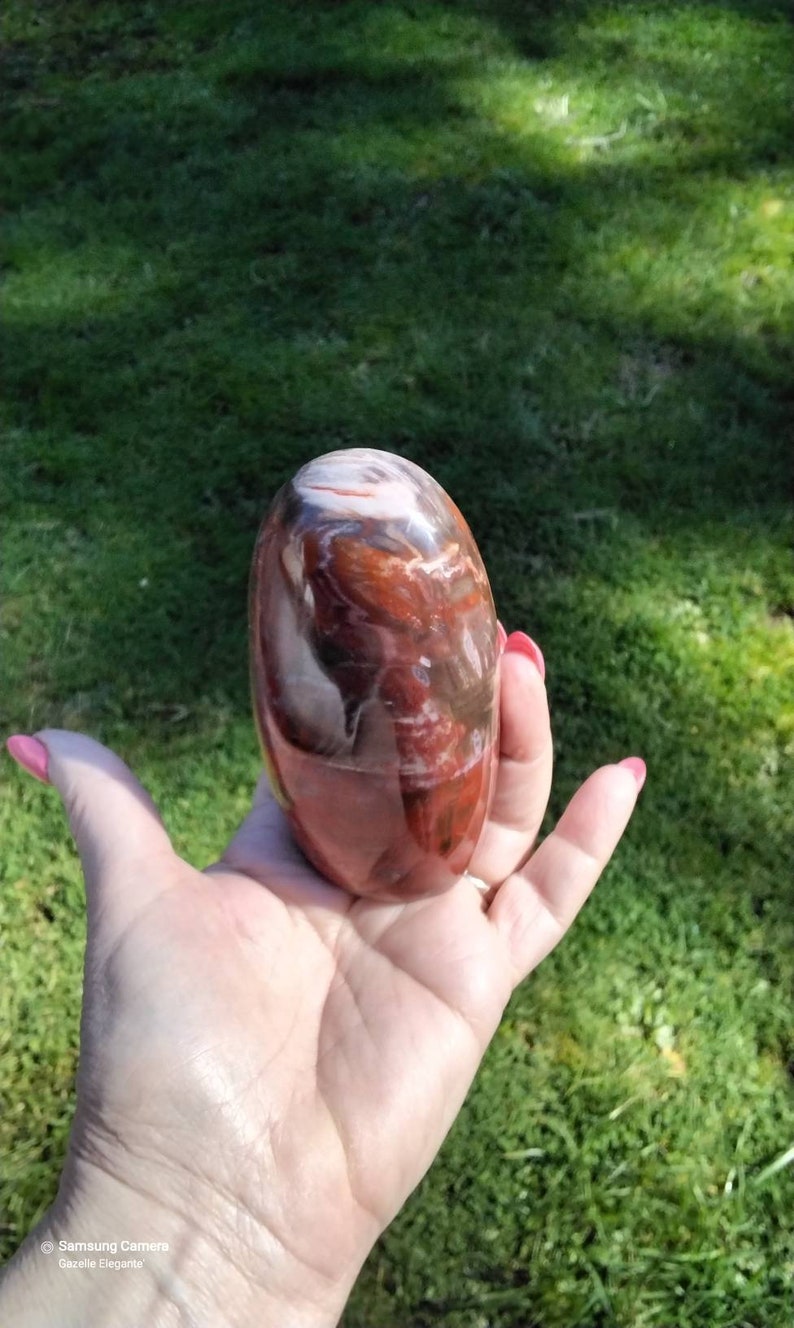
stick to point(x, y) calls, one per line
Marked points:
point(374, 667)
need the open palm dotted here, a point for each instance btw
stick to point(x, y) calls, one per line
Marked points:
point(263, 1048)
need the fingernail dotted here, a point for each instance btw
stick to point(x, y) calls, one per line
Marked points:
point(524, 645)
point(31, 754)
point(637, 767)
point(502, 634)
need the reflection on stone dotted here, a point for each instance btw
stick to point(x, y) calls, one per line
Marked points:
point(374, 660)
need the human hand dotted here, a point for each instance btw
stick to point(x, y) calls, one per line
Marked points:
point(268, 1065)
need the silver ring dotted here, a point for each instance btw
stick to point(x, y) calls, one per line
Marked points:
point(477, 883)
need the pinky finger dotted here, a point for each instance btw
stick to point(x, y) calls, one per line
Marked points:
point(534, 908)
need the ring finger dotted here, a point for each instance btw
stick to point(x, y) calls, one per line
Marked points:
point(523, 778)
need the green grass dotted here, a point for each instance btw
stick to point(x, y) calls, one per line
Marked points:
point(545, 251)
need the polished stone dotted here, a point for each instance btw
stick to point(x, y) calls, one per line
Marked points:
point(374, 663)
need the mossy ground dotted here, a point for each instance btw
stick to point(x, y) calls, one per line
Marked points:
point(545, 251)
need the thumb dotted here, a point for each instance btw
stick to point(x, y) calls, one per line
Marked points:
point(120, 837)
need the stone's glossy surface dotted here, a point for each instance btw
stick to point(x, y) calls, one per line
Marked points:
point(374, 659)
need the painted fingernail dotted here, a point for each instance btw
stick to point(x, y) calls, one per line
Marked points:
point(31, 754)
point(637, 767)
point(524, 645)
point(502, 634)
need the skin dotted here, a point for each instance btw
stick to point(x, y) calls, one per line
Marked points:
point(268, 1065)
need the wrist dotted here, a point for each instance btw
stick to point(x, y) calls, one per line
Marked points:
point(108, 1257)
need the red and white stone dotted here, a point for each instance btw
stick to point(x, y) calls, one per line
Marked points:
point(374, 663)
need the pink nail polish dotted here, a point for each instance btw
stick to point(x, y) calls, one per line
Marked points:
point(31, 754)
point(637, 767)
point(502, 635)
point(524, 644)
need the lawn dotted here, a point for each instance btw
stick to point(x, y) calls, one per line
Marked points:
point(546, 251)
